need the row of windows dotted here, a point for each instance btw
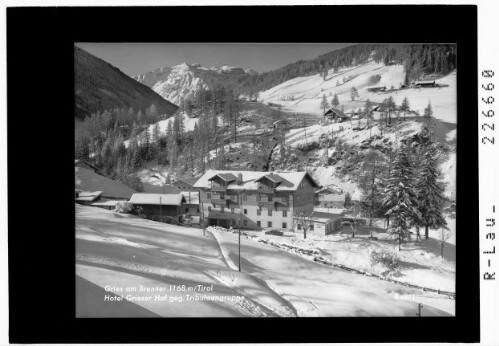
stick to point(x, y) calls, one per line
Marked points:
point(269, 224)
point(258, 211)
point(258, 223)
point(259, 197)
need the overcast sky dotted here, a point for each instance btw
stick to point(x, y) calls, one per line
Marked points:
point(137, 58)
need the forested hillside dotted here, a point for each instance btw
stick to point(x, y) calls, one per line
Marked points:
point(100, 86)
point(418, 61)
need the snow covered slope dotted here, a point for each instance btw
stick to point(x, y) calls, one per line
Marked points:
point(304, 94)
point(185, 80)
point(115, 252)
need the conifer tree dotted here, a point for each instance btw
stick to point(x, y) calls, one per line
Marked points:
point(430, 192)
point(335, 102)
point(324, 103)
point(371, 185)
point(400, 198)
point(354, 93)
point(404, 107)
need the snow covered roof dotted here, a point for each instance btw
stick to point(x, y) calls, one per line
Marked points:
point(188, 181)
point(154, 199)
point(290, 180)
point(225, 176)
point(87, 196)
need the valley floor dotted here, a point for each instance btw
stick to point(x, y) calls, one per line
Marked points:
point(141, 260)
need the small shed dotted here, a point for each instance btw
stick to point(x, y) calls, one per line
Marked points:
point(326, 223)
point(157, 205)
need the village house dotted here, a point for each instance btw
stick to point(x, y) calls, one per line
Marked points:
point(255, 200)
point(190, 208)
point(186, 184)
point(157, 206)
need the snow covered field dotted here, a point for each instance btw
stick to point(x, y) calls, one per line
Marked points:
point(141, 260)
point(304, 94)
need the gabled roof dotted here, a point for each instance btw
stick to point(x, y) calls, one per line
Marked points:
point(272, 177)
point(156, 198)
point(224, 176)
point(290, 180)
point(334, 111)
point(111, 203)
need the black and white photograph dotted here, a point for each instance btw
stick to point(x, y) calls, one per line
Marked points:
point(265, 179)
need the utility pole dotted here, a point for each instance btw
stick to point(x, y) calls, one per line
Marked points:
point(160, 213)
point(420, 306)
point(240, 216)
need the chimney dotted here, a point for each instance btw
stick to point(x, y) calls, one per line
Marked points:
point(239, 178)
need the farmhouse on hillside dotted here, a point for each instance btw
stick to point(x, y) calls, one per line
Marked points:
point(255, 200)
point(335, 115)
point(159, 206)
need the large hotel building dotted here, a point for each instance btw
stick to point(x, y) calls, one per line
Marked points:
point(258, 200)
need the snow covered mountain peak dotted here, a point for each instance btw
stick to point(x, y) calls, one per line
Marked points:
point(185, 80)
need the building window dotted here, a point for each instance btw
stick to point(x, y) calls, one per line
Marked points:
point(245, 222)
point(198, 210)
point(284, 225)
point(269, 224)
point(186, 210)
point(284, 214)
point(258, 223)
point(270, 212)
point(209, 208)
point(285, 200)
point(245, 211)
point(269, 198)
point(298, 226)
point(222, 196)
point(222, 209)
point(208, 195)
point(258, 212)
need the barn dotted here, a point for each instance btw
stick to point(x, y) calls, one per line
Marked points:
point(425, 84)
point(376, 88)
point(157, 205)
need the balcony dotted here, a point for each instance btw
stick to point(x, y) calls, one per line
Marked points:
point(219, 189)
point(266, 204)
point(265, 189)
